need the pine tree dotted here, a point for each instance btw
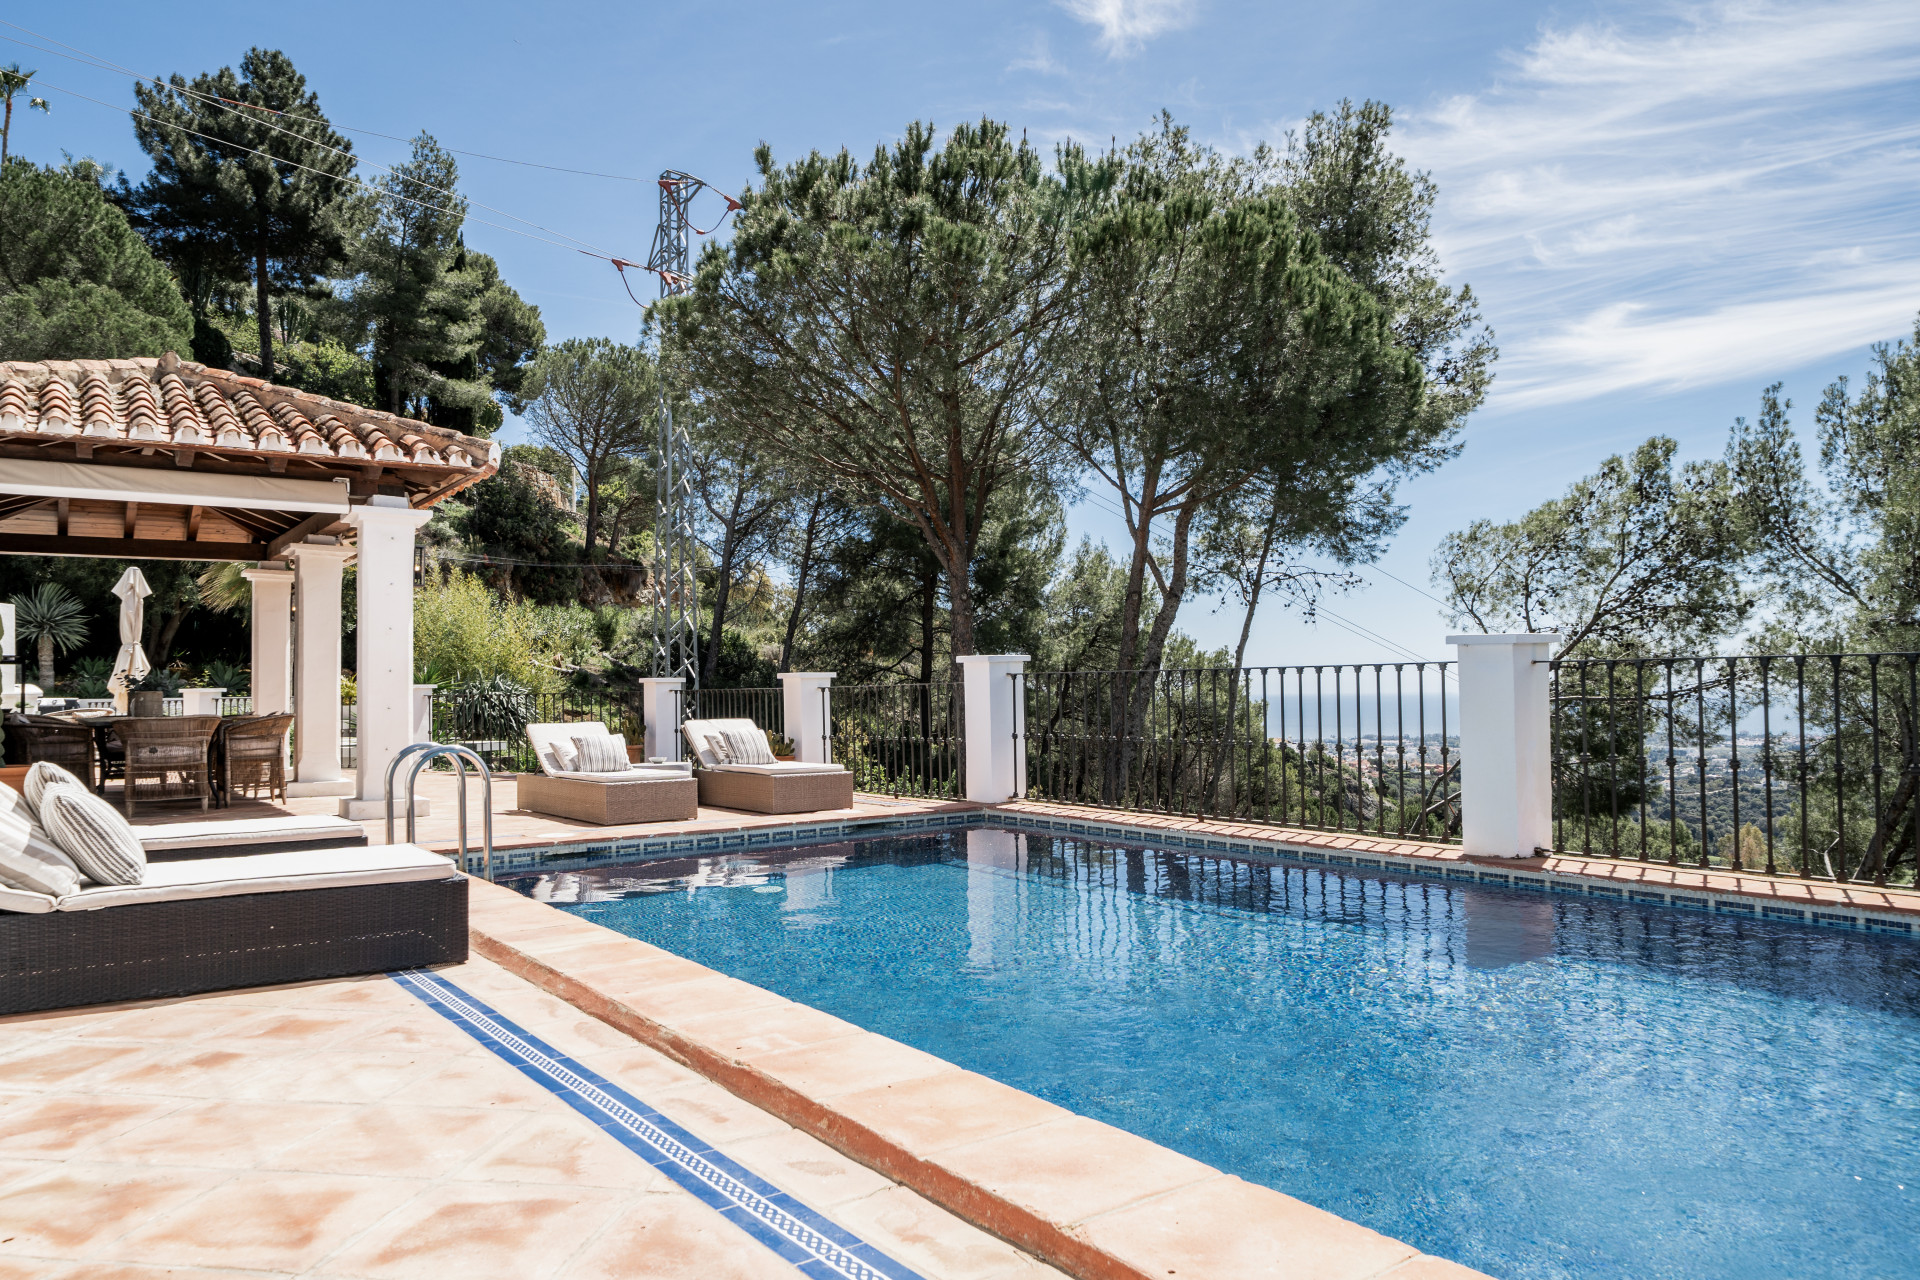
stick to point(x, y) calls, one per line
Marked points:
point(248, 178)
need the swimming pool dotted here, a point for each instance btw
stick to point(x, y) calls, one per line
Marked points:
point(1538, 1086)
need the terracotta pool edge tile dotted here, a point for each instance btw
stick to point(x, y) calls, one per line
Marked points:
point(1066, 1245)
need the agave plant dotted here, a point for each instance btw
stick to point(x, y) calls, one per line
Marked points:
point(221, 674)
point(497, 708)
point(88, 678)
point(55, 617)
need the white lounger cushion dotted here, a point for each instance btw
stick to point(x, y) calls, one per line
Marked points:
point(246, 832)
point(779, 768)
point(269, 873)
point(25, 902)
point(638, 773)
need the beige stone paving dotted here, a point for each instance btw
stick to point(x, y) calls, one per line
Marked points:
point(344, 1130)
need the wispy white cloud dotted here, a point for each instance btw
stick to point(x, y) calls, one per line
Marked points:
point(1037, 57)
point(1720, 193)
point(1125, 25)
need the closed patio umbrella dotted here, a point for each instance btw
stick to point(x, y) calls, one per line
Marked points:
point(131, 666)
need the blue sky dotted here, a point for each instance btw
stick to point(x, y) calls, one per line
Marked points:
point(1662, 207)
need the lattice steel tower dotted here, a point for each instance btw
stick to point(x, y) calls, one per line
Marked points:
point(676, 600)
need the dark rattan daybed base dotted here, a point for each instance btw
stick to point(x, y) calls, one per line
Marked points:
point(146, 950)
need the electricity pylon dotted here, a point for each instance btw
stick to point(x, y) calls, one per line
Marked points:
point(676, 600)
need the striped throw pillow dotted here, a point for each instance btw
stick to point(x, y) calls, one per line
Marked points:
point(42, 775)
point(93, 834)
point(29, 860)
point(601, 753)
point(746, 745)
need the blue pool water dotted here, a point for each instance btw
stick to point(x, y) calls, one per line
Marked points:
point(1537, 1086)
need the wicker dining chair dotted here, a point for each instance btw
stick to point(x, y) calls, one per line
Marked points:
point(254, 752)
point(170, 755)
point(68, 745)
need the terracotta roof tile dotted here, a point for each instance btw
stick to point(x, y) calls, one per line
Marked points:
point(183, 404)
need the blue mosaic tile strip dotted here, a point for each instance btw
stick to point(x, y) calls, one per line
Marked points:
point(816, 1246)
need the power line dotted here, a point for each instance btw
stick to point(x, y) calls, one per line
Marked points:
point(234, 108)
point(389, 195)
point(86, 58)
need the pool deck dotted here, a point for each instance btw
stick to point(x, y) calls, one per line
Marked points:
point(345, 1129)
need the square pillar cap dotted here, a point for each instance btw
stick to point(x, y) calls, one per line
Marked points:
point(993, 657)
point(1523, 637)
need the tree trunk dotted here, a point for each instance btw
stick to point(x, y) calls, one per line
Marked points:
point(960, 600)
point(262, 302)
point(929, 601)
point(710, 662)
point(591, 524)
point(46, 663)
point(166, 627)
point(800, 584)
point(6, 130)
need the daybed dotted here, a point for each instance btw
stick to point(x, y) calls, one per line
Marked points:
point(605, 797)
point(190, 925)
point(247, 835)
point(752, 780)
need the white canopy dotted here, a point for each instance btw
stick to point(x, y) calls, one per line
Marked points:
point(131, 666)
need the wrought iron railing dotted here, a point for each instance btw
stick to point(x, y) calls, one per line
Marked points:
point(493, 722)
point(349, 735)
point(764, 706)
point(1363, 747)
point(1794, 764)
point(904, 739)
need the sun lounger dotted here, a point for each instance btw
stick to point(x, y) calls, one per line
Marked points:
point(765, 785)
point(209, 924)
point(637, 793)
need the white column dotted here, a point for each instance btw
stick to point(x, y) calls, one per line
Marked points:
point(808, 720)
point(1506, 756)
point(423, 712)
point(272, 638)
point(384, 530)
point(660, 708)
point(201, 702)
point(996, 759)
point(10, 672)
point(317, 570)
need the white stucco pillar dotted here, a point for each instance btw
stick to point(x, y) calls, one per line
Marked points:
point(272, 638)
point(660, 708)
point(996, 757)
point(201, 702)
point(384, 531)
point(1506, 755)
point(317, 570)
point(809, 718)
point(423, 712)
point(9, 664)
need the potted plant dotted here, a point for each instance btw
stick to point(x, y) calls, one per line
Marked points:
point(146, 697)
point(781, 746)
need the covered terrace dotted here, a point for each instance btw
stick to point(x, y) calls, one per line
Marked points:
point(170, 460)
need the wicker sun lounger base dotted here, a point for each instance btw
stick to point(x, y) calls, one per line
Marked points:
point(776, 793)
point(143, 951)
point(611, 803)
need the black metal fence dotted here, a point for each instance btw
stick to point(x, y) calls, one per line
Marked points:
point(1366, 747)
point(493, 720)
point(899, 739)
point(1796, 764)
point(764, 706)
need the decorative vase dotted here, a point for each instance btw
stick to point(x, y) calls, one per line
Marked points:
point(148, 703)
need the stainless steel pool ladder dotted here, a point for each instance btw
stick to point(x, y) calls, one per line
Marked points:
point(426, 752)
